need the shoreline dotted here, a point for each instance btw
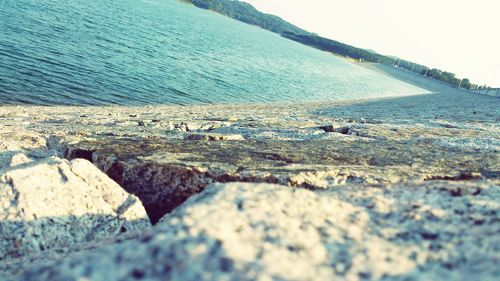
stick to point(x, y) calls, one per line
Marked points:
point(431, 85)
point(412, 78)
point(330, 102)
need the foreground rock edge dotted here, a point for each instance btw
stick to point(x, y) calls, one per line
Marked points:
point(429, 231)
point(55, 204)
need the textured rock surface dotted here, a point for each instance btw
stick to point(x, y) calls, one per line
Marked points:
point(165, 172)
point(397, 189)
point(380, 141)
point(56, 203)
point(212, 137)
point(431, 231)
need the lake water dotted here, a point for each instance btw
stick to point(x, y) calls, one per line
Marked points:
point(163, 51)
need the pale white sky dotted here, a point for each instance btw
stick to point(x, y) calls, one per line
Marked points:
point(460, 36)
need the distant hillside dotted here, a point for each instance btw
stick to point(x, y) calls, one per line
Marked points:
point(336, 47)
point(373, 51)
point(247, 13)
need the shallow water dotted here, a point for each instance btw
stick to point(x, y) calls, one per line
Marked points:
point(163, 51)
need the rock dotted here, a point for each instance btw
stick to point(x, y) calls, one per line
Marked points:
point(19, 159)
point(462, 175)
point(170, 126)
point(141, 123)
point(268, 232)
point(328, 128)
point(55, 203)
point(183, 127)
point(164, 173)
point(342, 130)
point(213, 137)
point(373, 121)
point(11, 158)
point(214, 126)
point(449, 126)
point(193, 126)
point(335, 129)
point(56, 146)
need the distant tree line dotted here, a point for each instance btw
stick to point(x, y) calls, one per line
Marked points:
point(444, 76)
point(336, 47)
point(247, 13)
point(370, 56)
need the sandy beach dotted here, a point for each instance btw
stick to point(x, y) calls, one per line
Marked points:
point(403, 188)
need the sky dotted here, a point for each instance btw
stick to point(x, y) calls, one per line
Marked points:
point(460, 36)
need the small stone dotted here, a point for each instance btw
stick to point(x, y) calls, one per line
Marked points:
point(467, 175)
point(213, 137)
point(375, 121)
point(429, 235)
point(141, 123)
point(170, 126)
point(449, 126)
point(331, 128)
point(19, 159)
point(328, 128)
point(183, 127)
point(192, 126)
point(214, 126)
point(342, 130)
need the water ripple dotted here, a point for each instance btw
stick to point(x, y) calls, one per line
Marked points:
point(161, 51)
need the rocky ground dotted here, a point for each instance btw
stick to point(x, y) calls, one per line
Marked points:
point(400, 188)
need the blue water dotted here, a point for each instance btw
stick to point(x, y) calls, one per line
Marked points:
point(163, 51)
